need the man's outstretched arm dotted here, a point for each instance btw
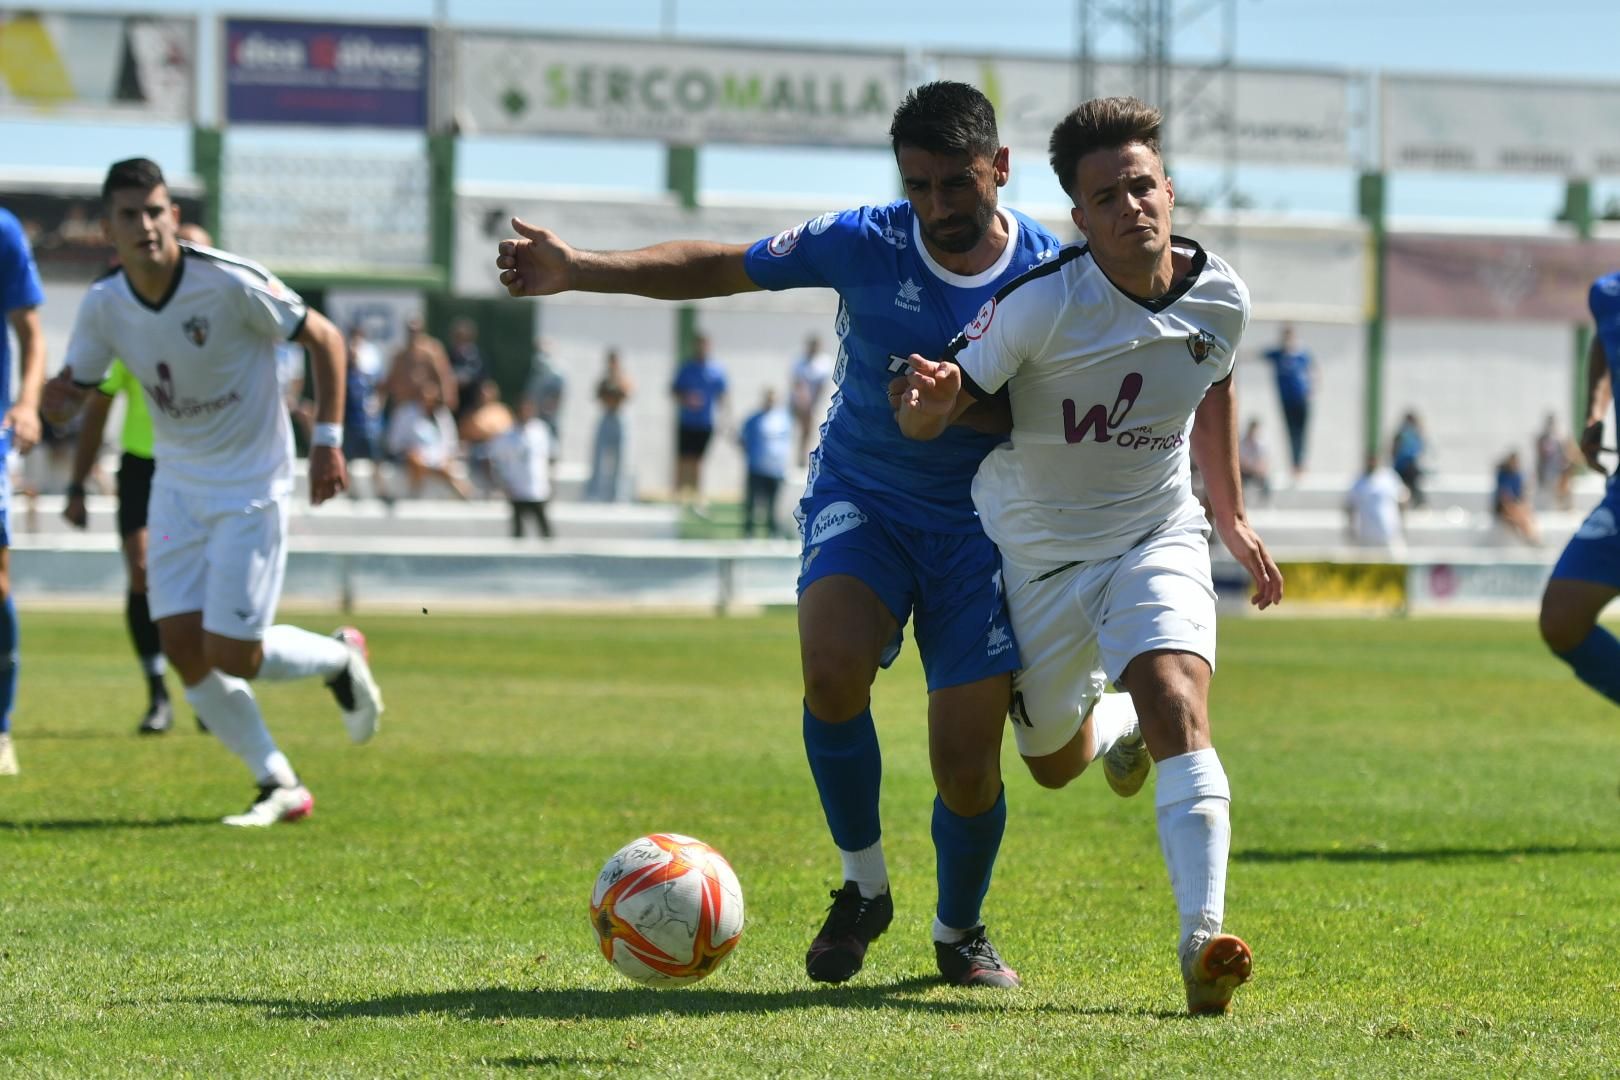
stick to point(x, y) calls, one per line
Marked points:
point(537, 262)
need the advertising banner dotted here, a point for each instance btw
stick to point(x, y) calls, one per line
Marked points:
point(87, 66)
point(1282, 117)
point(1478, 125)
point(1493, 277)
point(340, 74)
point(677, 91)
point(1483, 585)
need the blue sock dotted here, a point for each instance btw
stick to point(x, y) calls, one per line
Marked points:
point(965, 852)
point(848, 769)
point(1596, 661)
point(8, 661)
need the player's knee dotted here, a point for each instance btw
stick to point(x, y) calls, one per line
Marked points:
point(238, 658)
point(834, 688)
point(1560, 630)
point(968, 787)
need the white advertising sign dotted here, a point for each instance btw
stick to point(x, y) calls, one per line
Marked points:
point(1477, 125)
point(90, 66)
point(1285, 117)
point(675, 91)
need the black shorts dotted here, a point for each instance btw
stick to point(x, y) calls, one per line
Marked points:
point(134, 492)
point(692, 442)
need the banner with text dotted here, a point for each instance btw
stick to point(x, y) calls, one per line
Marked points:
point(676, 91)
point(340, 74)
point(1283, 117)
point(1476, 125)
point(97, 67)
point(1494, 277)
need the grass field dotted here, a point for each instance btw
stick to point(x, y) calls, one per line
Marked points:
point(1426, 859)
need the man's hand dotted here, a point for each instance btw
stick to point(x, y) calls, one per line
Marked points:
point(1592, 445)
point(61, 399)
point(535, 262)
point(328, 474)
point(23, 420)
point(74, 512)
point(932, 386)
point(1247, 548)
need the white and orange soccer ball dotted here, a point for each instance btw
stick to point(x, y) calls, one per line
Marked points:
point(667, 910)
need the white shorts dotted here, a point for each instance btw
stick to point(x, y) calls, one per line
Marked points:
point(225, 559)
point(1079, 627)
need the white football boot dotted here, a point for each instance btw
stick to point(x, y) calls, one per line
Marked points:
point(357, 693)
point(1127, 763)
point(8, 756)
point(274, 805)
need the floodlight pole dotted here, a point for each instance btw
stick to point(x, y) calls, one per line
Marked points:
point(1578, 212)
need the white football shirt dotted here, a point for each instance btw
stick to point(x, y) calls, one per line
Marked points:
point(1103, 387)
point(206, 356)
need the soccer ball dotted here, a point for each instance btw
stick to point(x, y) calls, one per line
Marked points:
point(667, 910)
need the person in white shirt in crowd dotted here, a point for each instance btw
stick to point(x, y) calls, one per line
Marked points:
point(765, 438)
point(808, 386)
point(1373, 509)
point(521, 458)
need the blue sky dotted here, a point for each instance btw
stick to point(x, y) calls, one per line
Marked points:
point(1554, 39)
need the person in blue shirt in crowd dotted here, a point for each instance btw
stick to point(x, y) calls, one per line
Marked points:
point(889, 529)
point(1295, 375)
point(1407, 448)
point(20, 297)
point(766, 438)
point(1586, 577)
point(700, 395)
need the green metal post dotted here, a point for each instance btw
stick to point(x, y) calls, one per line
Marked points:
point(1372, 209)
point(208, 163)
point(441, 150)
point(1578, 212)
point(681, 177)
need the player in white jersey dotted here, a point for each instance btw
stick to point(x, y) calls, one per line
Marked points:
point(1117, 360)
point(199, 328)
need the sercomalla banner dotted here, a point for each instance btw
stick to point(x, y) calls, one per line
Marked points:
point(1470, 277)
point(87, 66)
point(1478, 125)
point(280, 72)
point(673, 90)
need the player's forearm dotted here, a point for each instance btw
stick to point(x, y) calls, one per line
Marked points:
point(1214, 451)
point(30, 357)
point(676, 270)
point(89, 441)
point(328, 362)
point(1598, 381)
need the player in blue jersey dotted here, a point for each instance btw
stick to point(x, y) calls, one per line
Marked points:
point(20, 298)
point(1587, 576)
point(889, 528)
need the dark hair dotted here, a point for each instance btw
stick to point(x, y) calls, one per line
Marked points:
point(946, 118)
point(1101, 124)
point(139, 173)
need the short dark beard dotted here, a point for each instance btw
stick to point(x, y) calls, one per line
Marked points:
point(970, 240)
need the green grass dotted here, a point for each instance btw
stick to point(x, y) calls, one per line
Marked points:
point(1426, 860)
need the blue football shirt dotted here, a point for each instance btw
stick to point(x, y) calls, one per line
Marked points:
point(19, 287)
point(1605, 304)
point(894, 300)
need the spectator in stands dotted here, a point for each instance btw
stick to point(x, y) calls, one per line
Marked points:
point(422, 437)
point(1555, 464)
point(1294, 371)
point(522, 458)
point(366, 355)
point(766, 437)
point(486, 420)
point(700, 394)
point(1508, 503)
point(1373, 508)
point(420, 362)
point(543, 394)
point(807, 390)
point(1254, 462)
point(1406, 454)
point(363, 412)
point(466, 365)
point(607, 482)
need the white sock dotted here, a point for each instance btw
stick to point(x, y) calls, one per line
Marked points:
point(154, 665)
point(1195, 834)
point(228, 707)
point(867, 869)
point(950, 935)
point(291, 653)
point(1112, 718)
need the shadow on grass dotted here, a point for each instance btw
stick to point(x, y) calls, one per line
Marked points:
point(106, 824)
point(1419, 855)
point(552, 1061)
point(504, 1003)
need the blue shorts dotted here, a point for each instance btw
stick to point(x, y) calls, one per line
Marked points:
point(948, 584)
point(5, 484)
point(1593, 554)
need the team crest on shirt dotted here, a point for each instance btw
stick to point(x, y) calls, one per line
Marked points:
point(785, 241)
point(196, 329)
point(1201, 345)
point(981, 322)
